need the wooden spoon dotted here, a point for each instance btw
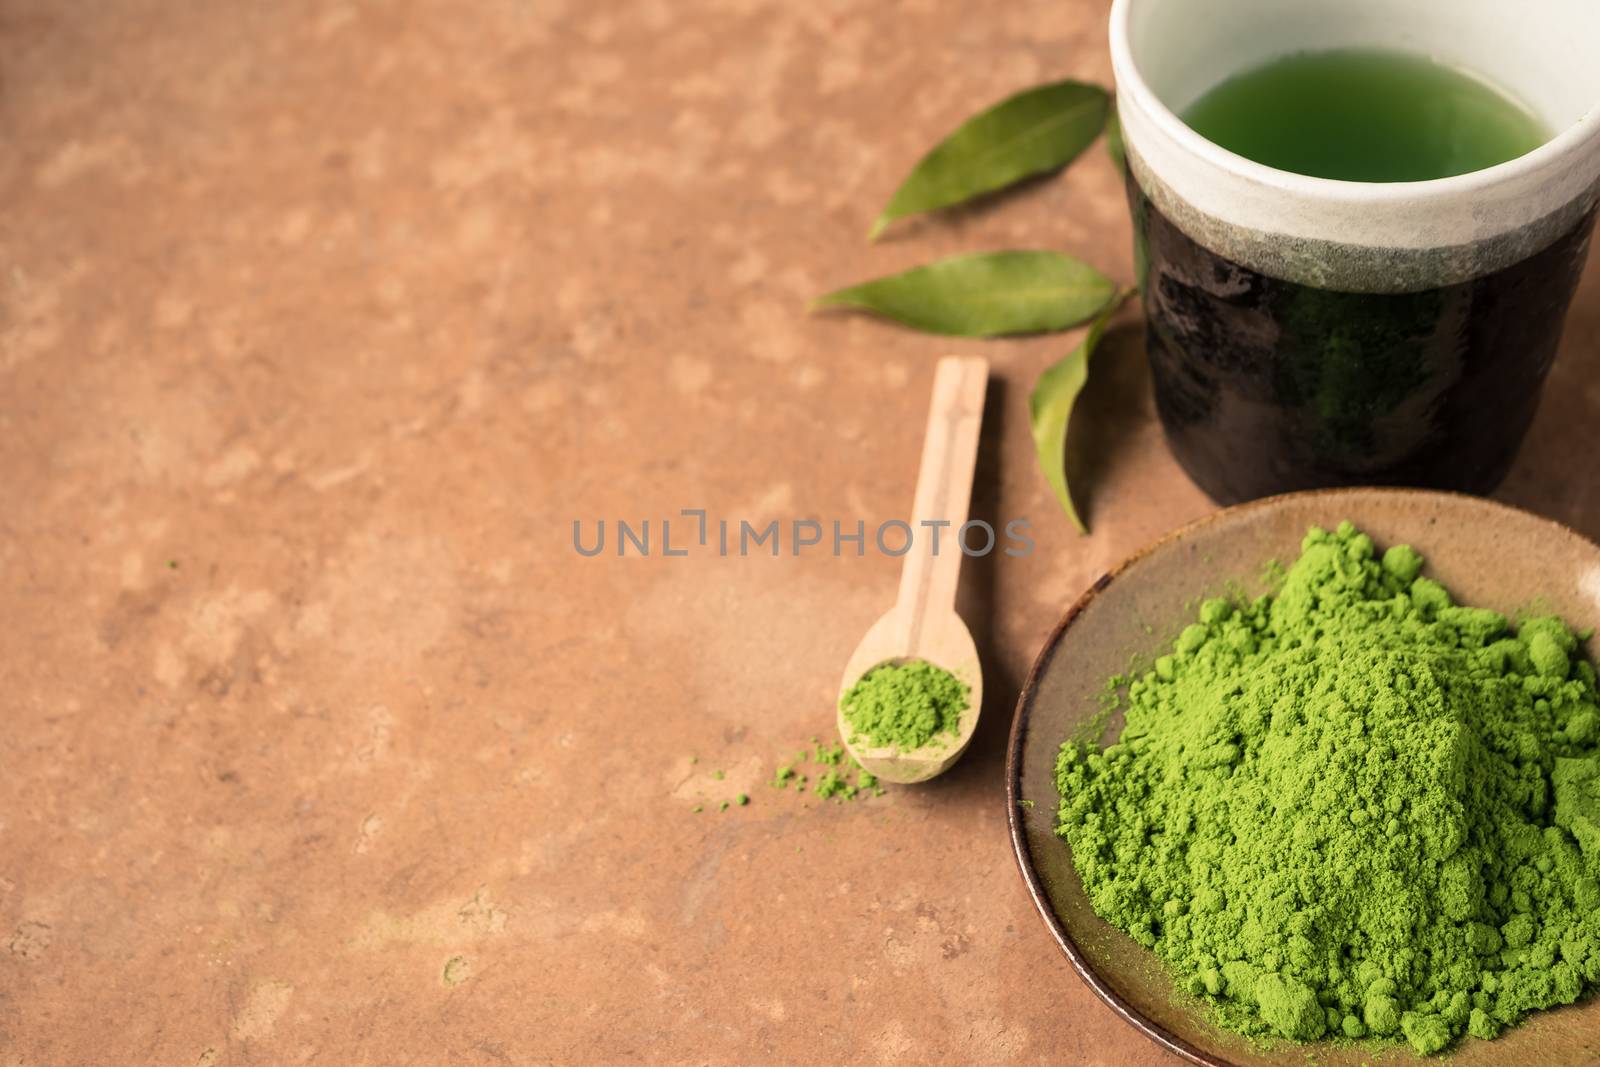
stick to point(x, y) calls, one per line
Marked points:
point(923, 623)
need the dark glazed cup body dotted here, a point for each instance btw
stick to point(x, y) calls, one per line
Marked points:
point(1266, 386)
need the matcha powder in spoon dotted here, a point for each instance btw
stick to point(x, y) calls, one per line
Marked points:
point(1353, 809)
point(905, 705)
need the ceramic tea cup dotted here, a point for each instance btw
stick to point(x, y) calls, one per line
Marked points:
point(1306, 332)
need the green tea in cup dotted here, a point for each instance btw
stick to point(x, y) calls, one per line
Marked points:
point(1365, 115)
point(1358, 226)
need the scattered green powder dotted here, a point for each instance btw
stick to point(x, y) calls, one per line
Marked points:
point(830, 755)
point(1354, 808)
point(832, 784)
point(905, 705)
point(834, 763)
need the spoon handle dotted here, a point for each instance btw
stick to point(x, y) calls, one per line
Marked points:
point(928, 578)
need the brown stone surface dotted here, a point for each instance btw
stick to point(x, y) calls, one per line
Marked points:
point(320, 323)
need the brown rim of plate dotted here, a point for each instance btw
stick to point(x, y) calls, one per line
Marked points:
point(1019, 731)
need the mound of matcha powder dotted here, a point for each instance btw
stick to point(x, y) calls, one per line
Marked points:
point(905, 705)
point(1354, 808)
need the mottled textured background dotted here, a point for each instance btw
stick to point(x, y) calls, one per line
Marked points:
point(319, 324)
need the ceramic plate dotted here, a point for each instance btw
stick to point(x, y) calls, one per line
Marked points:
point(1487, 554)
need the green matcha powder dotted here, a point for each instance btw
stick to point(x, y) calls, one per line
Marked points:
point(905, 705)
point(1353, 808)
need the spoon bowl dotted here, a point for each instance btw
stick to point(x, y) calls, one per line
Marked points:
point(948, 645)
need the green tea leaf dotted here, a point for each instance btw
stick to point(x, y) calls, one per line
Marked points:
point(1114, 145)
point(984, 295)
point(1050, 408)
point(1034, 132)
